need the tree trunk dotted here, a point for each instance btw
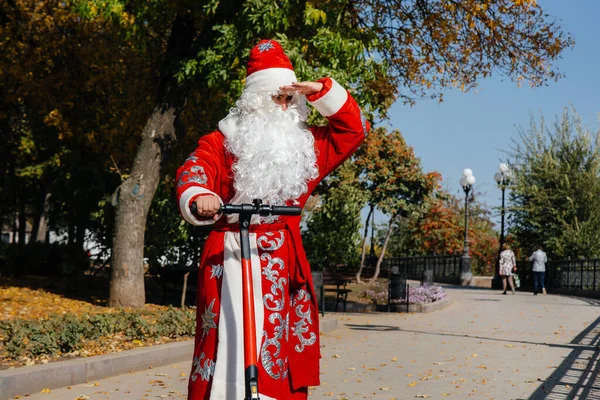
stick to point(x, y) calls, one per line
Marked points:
point(385, 244)
point(364, 245)
point(22, 222)
point(38, 210)
point(42, 227)
point(184, 291)
point(134, 200)
point(70, 231)
point(15, 228)
point(80, 234)
point(135, 195)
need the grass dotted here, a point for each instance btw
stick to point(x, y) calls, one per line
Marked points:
point(39, 298)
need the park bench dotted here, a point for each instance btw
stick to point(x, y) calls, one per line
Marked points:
point(333, 278)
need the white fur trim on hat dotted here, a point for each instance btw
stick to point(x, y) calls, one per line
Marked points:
point(332, 101)
point(269, 80)
point(184, 205)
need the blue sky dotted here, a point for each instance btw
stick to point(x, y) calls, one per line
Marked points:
point(470, 130)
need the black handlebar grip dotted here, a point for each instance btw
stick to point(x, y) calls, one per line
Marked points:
point(286, 210)
point(194, 209)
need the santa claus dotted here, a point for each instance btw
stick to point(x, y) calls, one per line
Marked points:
point(263, 150)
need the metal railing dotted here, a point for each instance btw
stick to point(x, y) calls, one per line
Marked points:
point(413, 267)
point(581, 274)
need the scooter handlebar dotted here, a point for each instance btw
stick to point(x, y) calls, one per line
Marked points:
point(260, 209)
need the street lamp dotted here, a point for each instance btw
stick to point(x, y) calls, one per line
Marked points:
point(503, 178)
point(466, 275)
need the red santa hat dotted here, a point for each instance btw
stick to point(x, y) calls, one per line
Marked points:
point(268, 68)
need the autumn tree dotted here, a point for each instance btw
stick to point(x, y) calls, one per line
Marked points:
point(393, 179)
point(440, 228)
point(64, 114)
point(436, 230)
point(554, 196)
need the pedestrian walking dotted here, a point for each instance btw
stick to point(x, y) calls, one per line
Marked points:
point(539, 259)
point(508, 265)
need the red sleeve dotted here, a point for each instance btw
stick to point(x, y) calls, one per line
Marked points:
point(200, 175)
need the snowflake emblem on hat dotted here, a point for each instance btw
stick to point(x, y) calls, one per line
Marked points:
point(266, 46)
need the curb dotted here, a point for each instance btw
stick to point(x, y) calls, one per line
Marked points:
point(328, 323)
point(430, 307)
point(32, 379)
point(59, 374)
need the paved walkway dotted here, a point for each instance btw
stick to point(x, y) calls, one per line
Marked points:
point(484, 346)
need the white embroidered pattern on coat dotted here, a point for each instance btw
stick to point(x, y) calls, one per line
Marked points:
point(302, 326)
point(208, 319)
point(274, 301)
point(363, 121)
point(205, 371)
point(269, 360)
point(195, 174)
point(216, 271)
point(270, 243)
point(277, 288)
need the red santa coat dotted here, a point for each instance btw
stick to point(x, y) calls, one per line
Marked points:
point(286, 307)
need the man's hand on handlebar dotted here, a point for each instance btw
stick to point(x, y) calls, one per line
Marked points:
point(208, 206)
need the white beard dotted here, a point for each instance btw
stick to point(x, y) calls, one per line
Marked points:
point(274, 149)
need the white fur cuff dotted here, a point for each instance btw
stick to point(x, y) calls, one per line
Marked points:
point(332, 101)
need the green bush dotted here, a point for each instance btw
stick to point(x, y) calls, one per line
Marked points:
point(71, 331)
point(14, 337)
point(176, 323)
point(42, 338)
point(66, 333)
point(138, 328)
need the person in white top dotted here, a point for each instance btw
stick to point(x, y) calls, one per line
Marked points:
point(539, 259)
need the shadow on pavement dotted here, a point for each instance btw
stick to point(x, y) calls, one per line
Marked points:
point(382, 328)
point(577, 376)
point(387, 328)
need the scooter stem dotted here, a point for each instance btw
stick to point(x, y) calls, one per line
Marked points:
point(250, 351)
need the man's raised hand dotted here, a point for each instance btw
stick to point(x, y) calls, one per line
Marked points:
point(305, 88)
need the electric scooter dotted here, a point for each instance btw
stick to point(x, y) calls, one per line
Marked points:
point(245, 212)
